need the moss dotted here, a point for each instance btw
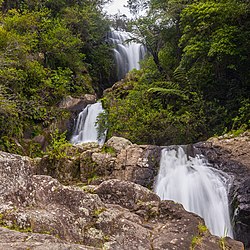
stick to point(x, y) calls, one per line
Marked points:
point(14, 225)
point(87, 189)
point(106, 238)
point(108, 150)
point(202, 229)
point(89, 169)
point(196, 240)
point(98, 211)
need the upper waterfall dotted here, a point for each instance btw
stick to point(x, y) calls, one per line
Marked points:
point(198, 187)
point(127, 54)
point(85, 127)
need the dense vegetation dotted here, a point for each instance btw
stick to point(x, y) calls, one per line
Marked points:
point(48, 49)
point(195, 81)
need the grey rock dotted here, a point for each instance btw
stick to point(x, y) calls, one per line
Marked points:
point(38, 212)
point(118, 143)
point(139, 164)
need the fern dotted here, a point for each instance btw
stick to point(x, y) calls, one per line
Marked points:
point(181, 76)
point(163, 92)
point(167, 85)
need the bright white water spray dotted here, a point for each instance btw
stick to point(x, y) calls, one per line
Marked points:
point(127, 54)
point(85, 128)
point(198, 187)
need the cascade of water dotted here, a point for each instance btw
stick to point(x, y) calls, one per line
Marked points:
point(127, 55)
point(85, 128)
point(198, 187)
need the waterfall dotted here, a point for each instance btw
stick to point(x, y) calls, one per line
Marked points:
point(198, 187)
point(85, 127)
point(127, 55)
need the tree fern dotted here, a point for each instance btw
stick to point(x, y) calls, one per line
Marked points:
point(167, 93)
point(180, 76)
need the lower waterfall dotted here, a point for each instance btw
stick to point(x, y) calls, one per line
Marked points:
point(198, 187)
point(85, 127)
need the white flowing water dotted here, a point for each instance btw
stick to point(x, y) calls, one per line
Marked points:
point(127, 54)
point(198, 187)
point(85, 128)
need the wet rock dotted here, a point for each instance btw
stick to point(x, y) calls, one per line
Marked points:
point(240, 202)
point(232, 156)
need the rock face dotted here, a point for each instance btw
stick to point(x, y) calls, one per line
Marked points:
point(77, 104)
point(232, 156)
point(37, 212)
point(135, 163)
point(118, 159)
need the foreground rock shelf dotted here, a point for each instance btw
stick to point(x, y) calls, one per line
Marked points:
point(37, 212)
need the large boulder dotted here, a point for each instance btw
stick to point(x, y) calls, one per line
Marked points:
point(118, 143)
point(138, 163)
point(232, 156)
point(37, 212)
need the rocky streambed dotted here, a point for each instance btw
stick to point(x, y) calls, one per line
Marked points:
point(105, 205)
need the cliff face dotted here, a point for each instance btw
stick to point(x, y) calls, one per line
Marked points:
point(38, 212)
point(118, 159)
point(232, 156)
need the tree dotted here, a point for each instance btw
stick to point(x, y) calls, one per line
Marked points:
point(48, 50)
point(215, 43)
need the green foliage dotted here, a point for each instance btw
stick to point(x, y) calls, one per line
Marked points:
point(48, 50)
point(214, 50)
point(194, 82)
point(191, 92)
point(7, 105)
point(242, 120)
point(58, 146)
point(9, 144)
point(108, 150)
point(148, 114)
